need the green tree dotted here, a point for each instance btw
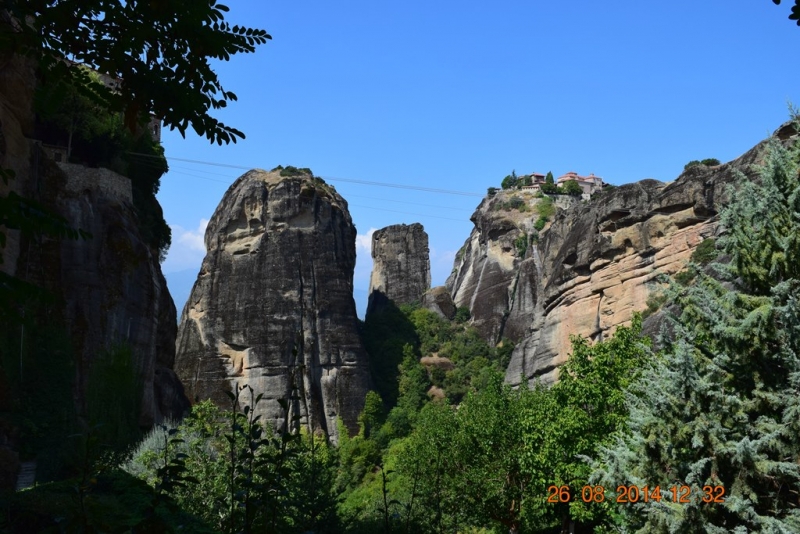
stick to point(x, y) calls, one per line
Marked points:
point(373, 415)
point(509, 182)
point(487, 456)
point(565, 425)
point(161, 51)
point(467, 461)
point(549, 178)
point(721, 408)
point(571, 187)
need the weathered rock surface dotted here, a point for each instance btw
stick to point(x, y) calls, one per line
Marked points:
point(486, 270)
point(592, 267)
point(401, 266)
point(597, 263)
point(108, 289)
point(438, 300)
point(273, 305)
point(113, 290)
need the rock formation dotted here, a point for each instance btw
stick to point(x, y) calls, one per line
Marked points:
point(592, 267)
point(273, 305)
point(401, 267)
point(108, 289)
point(486, 272)
point(112, 289)
point(438, 300)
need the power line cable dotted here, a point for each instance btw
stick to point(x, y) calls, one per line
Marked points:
point(347, 180)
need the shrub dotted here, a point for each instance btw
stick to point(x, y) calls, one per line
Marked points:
point(705, 253)
point(492, 191)
point(693, 163)
point(685, 277)
point(708, 162)
point(521, 243)
point(515, 202)
point(539, 224)
point(654, 303)
point(462, 314)
point(545, 208)
point(549, 188)
point(290, 171)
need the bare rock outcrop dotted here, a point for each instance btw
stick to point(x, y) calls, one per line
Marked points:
point(486, 270)
point(401, 267)
point(273, 305)
point(438, 300)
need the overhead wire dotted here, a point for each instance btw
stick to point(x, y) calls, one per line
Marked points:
point(347, 180)
point(228, 182)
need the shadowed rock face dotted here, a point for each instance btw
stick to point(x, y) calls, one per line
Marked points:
point(401, 267)
point(108, 289)
point(486, 270)
point(273, 305)
point(594, 265)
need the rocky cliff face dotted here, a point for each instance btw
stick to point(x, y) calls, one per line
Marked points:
point(486, 270)
point(273, 305)
point(108, 289)
point(592, 267)
point(401, 267)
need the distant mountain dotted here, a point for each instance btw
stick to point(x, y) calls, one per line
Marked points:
point(361, 296)
point(180, 285)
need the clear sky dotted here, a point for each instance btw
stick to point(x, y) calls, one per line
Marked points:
point(454, 95)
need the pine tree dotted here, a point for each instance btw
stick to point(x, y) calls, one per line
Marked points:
point(720, 408)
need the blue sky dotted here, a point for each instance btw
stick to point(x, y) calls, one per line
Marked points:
point(454, 95)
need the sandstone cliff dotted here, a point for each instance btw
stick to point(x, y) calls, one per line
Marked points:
point(401, 267)
point(273, 305)
point(592, 266)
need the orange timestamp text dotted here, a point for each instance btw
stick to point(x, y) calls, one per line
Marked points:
point(634, 494)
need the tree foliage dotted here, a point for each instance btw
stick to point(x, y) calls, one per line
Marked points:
point(160, 51)
point(571, 187)
point(795, 15)
point(721, 408)
point(565, 425)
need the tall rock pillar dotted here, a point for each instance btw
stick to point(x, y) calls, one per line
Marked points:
point(273, 305)
point(401, 266)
